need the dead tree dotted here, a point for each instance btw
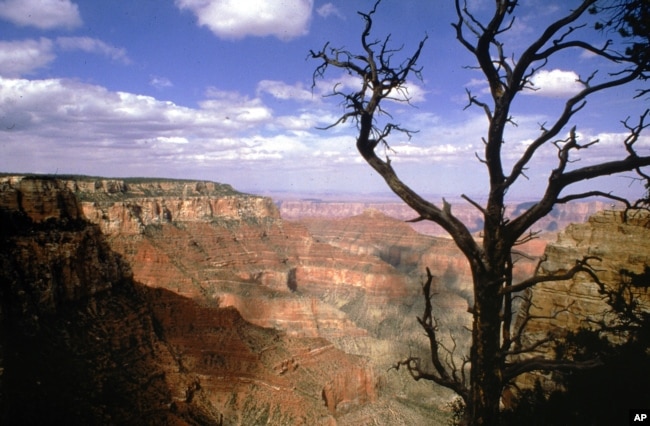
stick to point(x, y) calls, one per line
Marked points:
point(490, 365)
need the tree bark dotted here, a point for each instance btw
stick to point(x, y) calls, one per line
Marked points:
point(486, 380)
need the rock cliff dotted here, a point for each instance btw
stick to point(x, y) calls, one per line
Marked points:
point(84, 343)
point(615, 241)
point(230, 249)
point(235, 250)
point(396, 243)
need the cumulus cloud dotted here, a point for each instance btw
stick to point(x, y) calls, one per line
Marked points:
point(51, 106)
point(555, 83)
point(235, 107)
point(93, 45)
point(606, 144)
point(548, 83)
point(235, 19)
point(328, 9)
point(84, 128)
point(411, 92)
point(79, 121)
point(24, 57)
point(284, 91)
point(302, 121)
point(160, 82)
point(43, 14)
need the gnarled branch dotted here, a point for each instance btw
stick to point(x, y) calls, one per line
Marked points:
point(450, 376)
point(581, 265)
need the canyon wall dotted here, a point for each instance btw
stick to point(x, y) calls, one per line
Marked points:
point(277, 274)
point(84, 343)
point(78, 342)
point(560, 217)
point(617, 243)
point(246, 318)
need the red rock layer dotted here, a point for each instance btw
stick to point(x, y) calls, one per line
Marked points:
point(614, 241)
point(82, 343)
point(559, 218)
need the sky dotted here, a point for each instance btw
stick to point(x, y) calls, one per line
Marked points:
point(222, 90)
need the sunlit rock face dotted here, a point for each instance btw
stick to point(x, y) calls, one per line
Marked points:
point(396, 243)
point(614, 241)
point(209, 243)
point(277, 275)
point(83, 343)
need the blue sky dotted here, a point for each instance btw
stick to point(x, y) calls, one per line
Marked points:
point(221, 90)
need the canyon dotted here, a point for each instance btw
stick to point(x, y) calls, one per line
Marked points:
point(331, 207)
point(615, 244)
point(154, 301)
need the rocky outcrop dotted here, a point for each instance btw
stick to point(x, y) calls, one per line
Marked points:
point(78, 343)
point(349, 389)
point(255, 375)
point(206, 241)
point(614, 241)
point(83, 343)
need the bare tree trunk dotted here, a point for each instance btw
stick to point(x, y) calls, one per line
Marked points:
point(485, 377)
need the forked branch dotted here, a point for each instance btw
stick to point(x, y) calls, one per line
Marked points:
point(446, 374)
point(581, 265)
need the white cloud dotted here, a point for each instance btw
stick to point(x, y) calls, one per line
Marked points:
point(302, 121)
point(477, 86)
point(236, 108)
point(18, 58)
point(436, 153)
point(76, 127)
point(548, 83)
point(412, 92)
point(160, 82)
point(43, 14)
point(54, 106)
point(172, 139)
point(284, 91)
point(555, 83)
point(84, 128)
point(76, 123)
point(328, 9)
point(607, 144)
point(93, 45)
point(23, 57)
point(235, 19)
